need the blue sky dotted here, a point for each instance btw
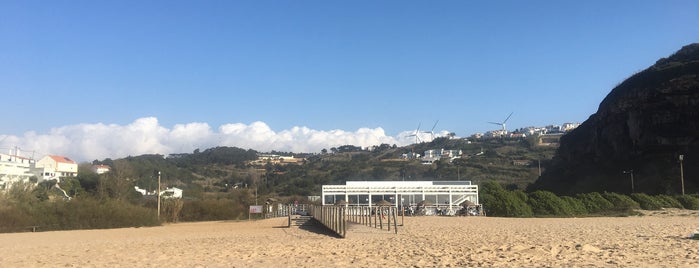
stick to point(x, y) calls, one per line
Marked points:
point(322, 66)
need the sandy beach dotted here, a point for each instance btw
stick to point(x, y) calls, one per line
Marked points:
point(658, 239)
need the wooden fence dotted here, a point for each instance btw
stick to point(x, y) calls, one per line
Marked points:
point(376, 217)
point(332, 217)
point(335, 218)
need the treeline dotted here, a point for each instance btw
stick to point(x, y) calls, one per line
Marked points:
point(90, 201)
point(27, 207)
point(499, 202)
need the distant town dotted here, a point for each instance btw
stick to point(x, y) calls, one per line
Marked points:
point(17, 168)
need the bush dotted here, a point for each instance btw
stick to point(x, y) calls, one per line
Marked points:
point(544, 203)
point(78, 213)
point(212, 209)
point(502, 203)
point(14, 219)
point(621, 203)
point(647, 202)
point(689, 201)
point(669, 201)
point(90, 213)
point(577, 207)
point(594, 202)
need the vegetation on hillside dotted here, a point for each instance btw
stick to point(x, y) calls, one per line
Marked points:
point(516, 203)
point(220, 184)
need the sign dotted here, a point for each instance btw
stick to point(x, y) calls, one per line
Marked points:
point(255, 209)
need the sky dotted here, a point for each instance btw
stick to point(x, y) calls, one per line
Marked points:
point(108, 79)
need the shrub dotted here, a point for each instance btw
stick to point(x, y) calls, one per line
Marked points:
point(14, 219)
point(171, 209)
point(90, 213)
point(689, 201)
point(669, 201)
point(502, 203)
point(212, 209)
point(621, 203)
point(577, 207)
point(544, 203)
point(594, 202)
point(647, 202)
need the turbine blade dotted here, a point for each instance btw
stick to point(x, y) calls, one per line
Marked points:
point(508, 118)
point(435, 125)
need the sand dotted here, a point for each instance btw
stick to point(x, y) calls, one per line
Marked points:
point(658, 239)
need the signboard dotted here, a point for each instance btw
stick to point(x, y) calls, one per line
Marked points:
point(255, 209)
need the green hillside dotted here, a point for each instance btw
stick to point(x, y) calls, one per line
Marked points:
point(511, 162)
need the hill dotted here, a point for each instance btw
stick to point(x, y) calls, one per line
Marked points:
point(643, 125)
point(511, 162)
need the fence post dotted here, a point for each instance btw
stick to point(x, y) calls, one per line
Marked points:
point(395, 225)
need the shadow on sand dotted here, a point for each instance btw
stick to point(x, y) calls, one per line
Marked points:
point(316, 227)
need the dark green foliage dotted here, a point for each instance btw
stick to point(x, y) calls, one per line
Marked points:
point(499, 202)
point(216, 155)
point(621, 203)
point(647, 202)
point(577, 207)
point(594, 202)
point(544, 203)
point(689, 201)
point(669, 201)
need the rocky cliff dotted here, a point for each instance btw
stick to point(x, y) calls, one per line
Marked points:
point(643, 125)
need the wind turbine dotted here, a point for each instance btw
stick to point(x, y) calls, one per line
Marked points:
point(416, 134)
point(431, 132)
point(504, 128)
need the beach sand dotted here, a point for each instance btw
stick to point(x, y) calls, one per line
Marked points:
point(658, 239)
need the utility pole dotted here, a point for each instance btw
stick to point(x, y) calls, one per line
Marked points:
point(458, 173)
point(682, 172)
point(158, 195)
point(630, 172)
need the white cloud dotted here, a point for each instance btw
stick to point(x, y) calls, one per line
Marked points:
point(86, 142)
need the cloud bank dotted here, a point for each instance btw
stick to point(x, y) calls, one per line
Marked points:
point(87, 142)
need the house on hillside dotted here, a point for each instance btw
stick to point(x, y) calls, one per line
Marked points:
point(434, 155)
point(173, 192)
point(101, 169)
point(274, 159)
point(168, 193)
point(52, 167)
point(14, 168)
point(569, 126)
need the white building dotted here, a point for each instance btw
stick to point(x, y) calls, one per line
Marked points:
point(52, 167)
point(14, 168)
point(446, 194)
point(173, 192)
point(101, 169)
point(434, 155)
point(569, 126)
point(168, 193)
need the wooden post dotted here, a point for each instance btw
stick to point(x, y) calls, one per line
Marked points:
point(395, 226)
point(158, 195)
point(380, 217)
point(389, 218)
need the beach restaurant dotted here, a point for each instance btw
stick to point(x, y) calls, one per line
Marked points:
point(401, 193)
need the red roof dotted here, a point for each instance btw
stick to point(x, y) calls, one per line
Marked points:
point(61, 159)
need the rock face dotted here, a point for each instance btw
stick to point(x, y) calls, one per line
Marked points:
point(644, 125)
